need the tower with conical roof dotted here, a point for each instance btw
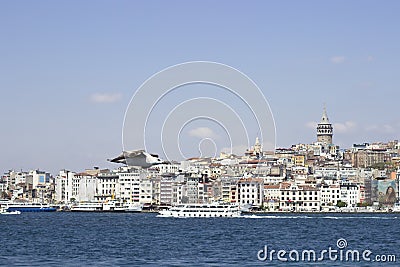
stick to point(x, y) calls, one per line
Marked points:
point(324, 130)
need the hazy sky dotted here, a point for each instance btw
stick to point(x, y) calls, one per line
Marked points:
point(69, 68)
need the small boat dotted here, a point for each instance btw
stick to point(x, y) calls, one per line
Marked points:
point(15, 212)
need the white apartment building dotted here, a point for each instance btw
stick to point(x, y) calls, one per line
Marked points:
point(146, 191)
point(86, 187)
point(36, 178)
point(295, 197)
point(107, 186)
point(130, 188)
point(350, 193)
point(63, 186)
point(272, 195)
point(179, 193)
point(330, 195)
point(250, 191)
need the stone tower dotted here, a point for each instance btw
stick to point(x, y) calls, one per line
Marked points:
point(324, 130)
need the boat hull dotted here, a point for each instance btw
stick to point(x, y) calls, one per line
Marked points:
point(31, 209)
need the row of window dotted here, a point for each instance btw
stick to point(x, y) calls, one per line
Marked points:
point(300, 193)
point(304, 204)
point(300, 198)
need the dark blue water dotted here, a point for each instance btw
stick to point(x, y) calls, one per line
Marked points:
point(106, 239)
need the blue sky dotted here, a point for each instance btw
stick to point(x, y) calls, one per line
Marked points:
point(69, 68)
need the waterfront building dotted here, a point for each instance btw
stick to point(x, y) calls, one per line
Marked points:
point(166, 191)
point(233, 196)
point(250, 191)
point(63, 186)
point(129, 189)
point(108, 187)
point(84, 187)
point(179, 193)
point(145, 191)
point(226, 186)
point(192, 189)
point(330, 195)
point(350, 193)
point(295, 197)
point(271, 196)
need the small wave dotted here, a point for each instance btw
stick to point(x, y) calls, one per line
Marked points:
point(316, 217)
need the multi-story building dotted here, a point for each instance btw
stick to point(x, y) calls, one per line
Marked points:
point(179, 193)
point(250, 191)
point(129, 180)
point(63, 186)
point(295, 197)
point(330, 195)
point(192, 189)
point(166, 191)
point(350, 194)
point(86, 187)
point(108, 187)
point(272, 196)
point(146, 191)
point(36, 177)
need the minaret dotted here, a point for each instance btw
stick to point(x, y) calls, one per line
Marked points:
point(324, 130)
point(257, 147)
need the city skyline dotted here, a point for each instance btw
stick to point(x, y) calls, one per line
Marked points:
point(67, 82)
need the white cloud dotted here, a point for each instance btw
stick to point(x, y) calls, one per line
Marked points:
point(312, 124)
point(203, 132)
point(105, 97)
point(385, 128)
point(345, 127)
point(338, 59)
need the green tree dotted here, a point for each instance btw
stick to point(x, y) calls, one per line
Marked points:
point(341, 204)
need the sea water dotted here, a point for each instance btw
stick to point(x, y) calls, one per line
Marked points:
point(127, 239)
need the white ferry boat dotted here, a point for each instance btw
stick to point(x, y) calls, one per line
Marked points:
point(134, 207)
point(87, 206)
point(116, 206)
point(201, 210)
